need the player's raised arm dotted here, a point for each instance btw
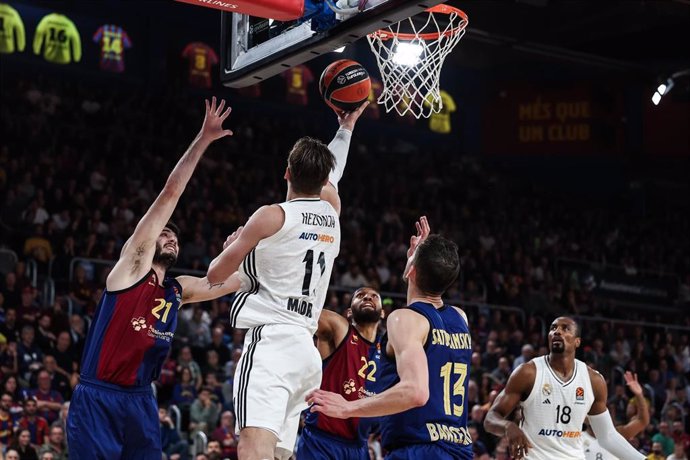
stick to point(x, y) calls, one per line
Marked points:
point(496, 422)
point(340, 146)
point(641, 419)
point(332, 330)
point(602, 425)
point(407, 333)
point(137, 253)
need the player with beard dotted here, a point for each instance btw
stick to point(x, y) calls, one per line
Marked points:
point(351, 353)
point(113, 414)
point(556, 393)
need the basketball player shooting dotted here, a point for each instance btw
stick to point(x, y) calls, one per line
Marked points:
point(557, 392)
point(113, 414)
point(284, 255)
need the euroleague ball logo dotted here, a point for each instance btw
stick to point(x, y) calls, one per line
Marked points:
point(138, 324)
point(342, 79)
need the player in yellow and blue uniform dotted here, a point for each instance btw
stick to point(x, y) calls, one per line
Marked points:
point(425, 365)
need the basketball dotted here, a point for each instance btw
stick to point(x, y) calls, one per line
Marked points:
point(345, 85)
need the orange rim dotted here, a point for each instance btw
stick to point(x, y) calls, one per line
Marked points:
point(442, 9)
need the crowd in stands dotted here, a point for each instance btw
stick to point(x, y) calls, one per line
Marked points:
point(79, 165)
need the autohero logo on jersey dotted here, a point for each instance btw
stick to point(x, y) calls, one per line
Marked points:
point(322, 237)
point(139, 324)
point(559, 433)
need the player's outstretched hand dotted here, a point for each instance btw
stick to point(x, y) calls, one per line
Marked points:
point(633, 384)
point(212, 129)
point(233, 236)
point(423, 231)
point(347, 120)
point(331, 404)
point(518, 444)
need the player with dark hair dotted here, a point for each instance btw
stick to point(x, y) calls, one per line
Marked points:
point(113, 414)
point(351, 353)
point(556, 393)
point(285, 255)
point(424, 366)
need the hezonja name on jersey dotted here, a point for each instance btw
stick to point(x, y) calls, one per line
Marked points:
point(322, 220)
point(299, 306)
point(316, 237)
point(559, 433)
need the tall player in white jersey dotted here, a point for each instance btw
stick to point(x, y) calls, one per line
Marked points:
point(556, 392)
point(284, 255)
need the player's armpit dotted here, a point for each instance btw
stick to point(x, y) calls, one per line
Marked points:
point(332, 326)
point(265, 222)
point(196, 289)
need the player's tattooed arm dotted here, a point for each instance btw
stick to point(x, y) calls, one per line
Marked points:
point(196, 289)
point(211, 286)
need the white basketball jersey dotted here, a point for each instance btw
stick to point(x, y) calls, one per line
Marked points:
point(554, 412)
point(593, 450)
point(285, 278)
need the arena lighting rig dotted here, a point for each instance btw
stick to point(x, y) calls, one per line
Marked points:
point(665, 87)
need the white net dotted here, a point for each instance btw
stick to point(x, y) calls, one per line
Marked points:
point(411, 62)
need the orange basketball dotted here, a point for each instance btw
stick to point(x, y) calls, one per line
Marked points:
point(345, 85)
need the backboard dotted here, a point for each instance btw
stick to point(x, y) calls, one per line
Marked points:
point(254, 49)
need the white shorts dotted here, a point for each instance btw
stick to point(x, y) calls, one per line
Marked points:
point(278, 367)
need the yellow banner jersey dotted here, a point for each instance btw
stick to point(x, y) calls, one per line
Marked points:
point(554, 412)
point(59, 39)
point(440, 122)
point(285, 278)
point(12, 35)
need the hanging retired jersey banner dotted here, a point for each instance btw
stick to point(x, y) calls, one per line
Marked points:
point(57, 38)
point(113, 41)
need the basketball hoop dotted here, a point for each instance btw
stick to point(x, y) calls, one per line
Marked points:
point(411, 62)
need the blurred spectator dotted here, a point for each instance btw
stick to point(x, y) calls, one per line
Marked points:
point(225, 435)
point(526, 355)
point(664, 439)
point(678, 453)
point(9, 364)
point(64, 356)
point(29, 354)
point(6, 420)
point(45, 339)
point(77, 332)
point(657, 452)
point(213, 449)
point(217, 345)
point(23, 445)
point(185, 360)
point(48, 400)
point(173, 446)
point(56, 444)
point(36, 425)
point(204, 413)
point(9, 328)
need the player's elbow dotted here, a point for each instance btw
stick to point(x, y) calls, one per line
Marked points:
point(214, 275)
point(420, 396)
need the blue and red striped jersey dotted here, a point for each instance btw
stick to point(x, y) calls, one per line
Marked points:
point(113, 41)
point(132, 332)
point(350, 371)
